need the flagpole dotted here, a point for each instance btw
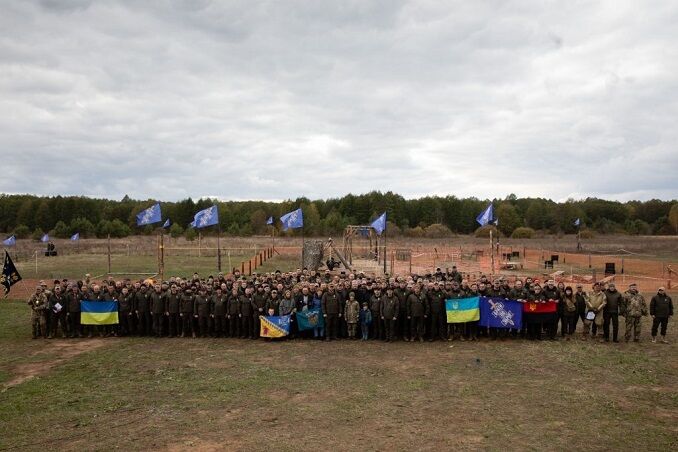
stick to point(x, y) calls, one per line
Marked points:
point(302, 246)
point(579, 237)
point(218, 247)
point(109, 254)
point(491, 251)
point(161, 270)
point(384, 236)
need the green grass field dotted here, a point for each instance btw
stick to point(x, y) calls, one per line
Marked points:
point(75, 266)
point(214, 394)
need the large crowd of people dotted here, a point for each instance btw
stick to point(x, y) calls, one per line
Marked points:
point(352, 305)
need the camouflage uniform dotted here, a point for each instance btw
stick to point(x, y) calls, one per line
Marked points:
point(633, 308)
point(38, 304)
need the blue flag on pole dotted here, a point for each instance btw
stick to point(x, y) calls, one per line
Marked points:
point(379, 224)
point(577, 222)
point(166, 224)
point(293, 220)
point(150, 215)
point(206, 217)
point(486, 216)
point(9, 241)
point(500, 313)
point(309, 319)
point(270, 220)
point(45, 238)
point(75, 237)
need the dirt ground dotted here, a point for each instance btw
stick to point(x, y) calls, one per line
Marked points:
point(231, 394)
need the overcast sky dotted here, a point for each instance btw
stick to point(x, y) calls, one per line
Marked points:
point(278, 99)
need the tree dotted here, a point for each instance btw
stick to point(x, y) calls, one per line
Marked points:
point(61, 230)
point(673, 217)
point(508, 218)
point(176, 230)
point(258, 221)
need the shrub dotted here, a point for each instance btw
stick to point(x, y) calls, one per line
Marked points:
point(523, 233)
point(175, 231)
point(484, 231)
point(437, 231)
point(22, 231)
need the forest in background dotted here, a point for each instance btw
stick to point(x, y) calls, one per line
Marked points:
point(432, 216)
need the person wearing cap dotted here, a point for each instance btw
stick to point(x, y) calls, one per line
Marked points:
point(38, 303)
point(613, 300)
point(331, 312)
point(73, 305)
point(247, 314)
point(352, 314)
point(568, 303)
point(661, 308)
point(416, 313)
point(581, 297)
point(57, 306)
point(142, 309)
point(158, 309)
point(173, 305)
point(633, 309)
point(390, 307)
point(436, 307)
point(375, 308)
point(186, 313)
point(594, 304)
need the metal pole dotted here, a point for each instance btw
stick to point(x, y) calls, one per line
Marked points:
point(491, 252)
point(218, 247)
point(161, 270)
point(384, 254)
point(109, 253)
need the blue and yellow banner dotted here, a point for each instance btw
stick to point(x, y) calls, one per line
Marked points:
point(274, 326)
point(98, 312)
point(462, 310)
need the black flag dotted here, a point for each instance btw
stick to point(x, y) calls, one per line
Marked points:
point(9, 274)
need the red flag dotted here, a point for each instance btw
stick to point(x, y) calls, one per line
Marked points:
point(540, 307)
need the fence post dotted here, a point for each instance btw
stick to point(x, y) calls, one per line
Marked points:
point(242, 268)
point(249, 270)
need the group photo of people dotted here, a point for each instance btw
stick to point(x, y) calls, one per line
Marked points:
point(352, 306)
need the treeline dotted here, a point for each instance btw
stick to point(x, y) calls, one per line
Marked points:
point(27, 215)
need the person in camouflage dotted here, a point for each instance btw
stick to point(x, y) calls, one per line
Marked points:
point(38, 304)
point(633, 308)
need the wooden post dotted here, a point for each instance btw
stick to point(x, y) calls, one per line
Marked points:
point(199, 244)
point(219, 247)
point(109, 253)
point(622, 270)
point(242, 268)
point(229, 260)
point(161, 269)
point(249, 269)
point(410, 262)
point(36, 262)
point(589, 261)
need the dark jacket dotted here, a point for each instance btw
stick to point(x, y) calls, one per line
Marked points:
point(330, 303)
point(390, 307)
point(614, 301)
point(661, 306)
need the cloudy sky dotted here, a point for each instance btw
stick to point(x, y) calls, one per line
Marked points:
point(279, 99)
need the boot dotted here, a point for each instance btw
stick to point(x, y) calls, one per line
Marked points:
point(664, 341)
point(654, 339)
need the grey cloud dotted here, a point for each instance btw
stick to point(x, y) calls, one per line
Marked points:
point(271, 100)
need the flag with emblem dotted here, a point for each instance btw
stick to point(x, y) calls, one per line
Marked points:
point(292, 220)
point(309, 319)
point(9, 241)
point(460, 310)
point(379, 224)
point(45, 238)
point(206, 217)
point(500, 313)
point(10, 275)
point(274, 326)
point(150, 215)
point(75, 237)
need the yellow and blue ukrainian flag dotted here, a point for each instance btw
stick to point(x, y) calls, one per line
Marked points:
point(462, 310)
point(98, 312)
point(274, 326)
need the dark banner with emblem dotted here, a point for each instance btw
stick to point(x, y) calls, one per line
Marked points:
point(10, 275)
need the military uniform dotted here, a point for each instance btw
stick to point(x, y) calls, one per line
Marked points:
point(58, 313)
point(416, 312)
point(351, 314)
point(390, 307)
point(39, 305)
point(634, 307)
point(158, 309)
point(186, 314)
point(331, 312)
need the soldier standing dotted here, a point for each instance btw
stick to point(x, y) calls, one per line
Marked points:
point(390, 308)
point(158, 309)
point(186, 313)
point(39, 304)
point(57, 304)
point(416, 313)
point(331, 313)
point(661, 308)
point(634, 307)
point(73, 301)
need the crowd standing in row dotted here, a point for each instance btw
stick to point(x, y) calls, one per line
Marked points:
point(410, 308)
